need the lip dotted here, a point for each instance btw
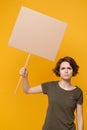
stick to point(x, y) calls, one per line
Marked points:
point(66, 75)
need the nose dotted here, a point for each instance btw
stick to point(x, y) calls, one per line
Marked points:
point(66, 70)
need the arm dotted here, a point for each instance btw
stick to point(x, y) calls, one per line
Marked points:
point(26, 86)
point(79, 117)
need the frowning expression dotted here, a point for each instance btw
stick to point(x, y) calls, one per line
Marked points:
point(66, 71)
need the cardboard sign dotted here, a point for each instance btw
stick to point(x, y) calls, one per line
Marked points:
point(37, 33)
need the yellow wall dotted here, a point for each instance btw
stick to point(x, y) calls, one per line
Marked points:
point(27, 112)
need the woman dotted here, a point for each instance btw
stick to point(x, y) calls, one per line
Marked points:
point(63, 97)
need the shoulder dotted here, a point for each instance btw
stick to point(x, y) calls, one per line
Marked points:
point(78, 93)
point(49, 83)
point(78, 90)
point(47, 86)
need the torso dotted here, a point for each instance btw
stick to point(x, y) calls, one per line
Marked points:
point(62, 104)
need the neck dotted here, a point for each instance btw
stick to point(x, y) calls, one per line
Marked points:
point(65, 83)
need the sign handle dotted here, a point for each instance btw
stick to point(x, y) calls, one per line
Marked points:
point(26, 63)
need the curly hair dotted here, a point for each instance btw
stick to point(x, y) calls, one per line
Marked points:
point(72, 63)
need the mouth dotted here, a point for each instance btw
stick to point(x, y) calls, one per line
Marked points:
point(66, 75)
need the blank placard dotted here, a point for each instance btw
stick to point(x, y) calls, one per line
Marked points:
point(37, 33)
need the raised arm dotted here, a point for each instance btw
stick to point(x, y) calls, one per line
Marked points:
point(26, 86)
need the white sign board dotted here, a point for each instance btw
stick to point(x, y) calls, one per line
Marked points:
point(37, 33)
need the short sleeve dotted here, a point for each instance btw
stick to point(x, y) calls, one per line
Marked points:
point(45, 87)
point(79, 97)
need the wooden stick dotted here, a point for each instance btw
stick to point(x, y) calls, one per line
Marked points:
point(26, 63)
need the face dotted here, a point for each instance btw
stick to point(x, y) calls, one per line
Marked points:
point(65, 70)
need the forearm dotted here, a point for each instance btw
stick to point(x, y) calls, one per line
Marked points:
point(80, 124)
point(25, 84)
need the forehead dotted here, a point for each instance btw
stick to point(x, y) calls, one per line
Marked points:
point(65, 64)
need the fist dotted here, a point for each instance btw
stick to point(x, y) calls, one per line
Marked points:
point(23, 72)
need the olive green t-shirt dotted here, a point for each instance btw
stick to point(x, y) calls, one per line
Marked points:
point(61, 106)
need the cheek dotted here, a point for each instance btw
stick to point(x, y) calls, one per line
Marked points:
point(61, 73)
point(71, 73)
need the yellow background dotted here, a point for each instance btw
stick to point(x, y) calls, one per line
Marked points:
point(27, 112)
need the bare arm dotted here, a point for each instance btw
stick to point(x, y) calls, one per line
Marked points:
point(79, 117)
point(26, 86)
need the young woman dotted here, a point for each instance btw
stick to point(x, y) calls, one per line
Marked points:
point(63, 97)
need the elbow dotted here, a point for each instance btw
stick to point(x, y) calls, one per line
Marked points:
point(26, 91)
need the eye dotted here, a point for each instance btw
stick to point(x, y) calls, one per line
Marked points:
point(69, 68)
point(62, 68)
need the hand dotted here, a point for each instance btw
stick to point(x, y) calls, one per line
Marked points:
point(23, 72)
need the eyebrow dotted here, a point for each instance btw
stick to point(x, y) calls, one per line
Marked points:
point(66, 67)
